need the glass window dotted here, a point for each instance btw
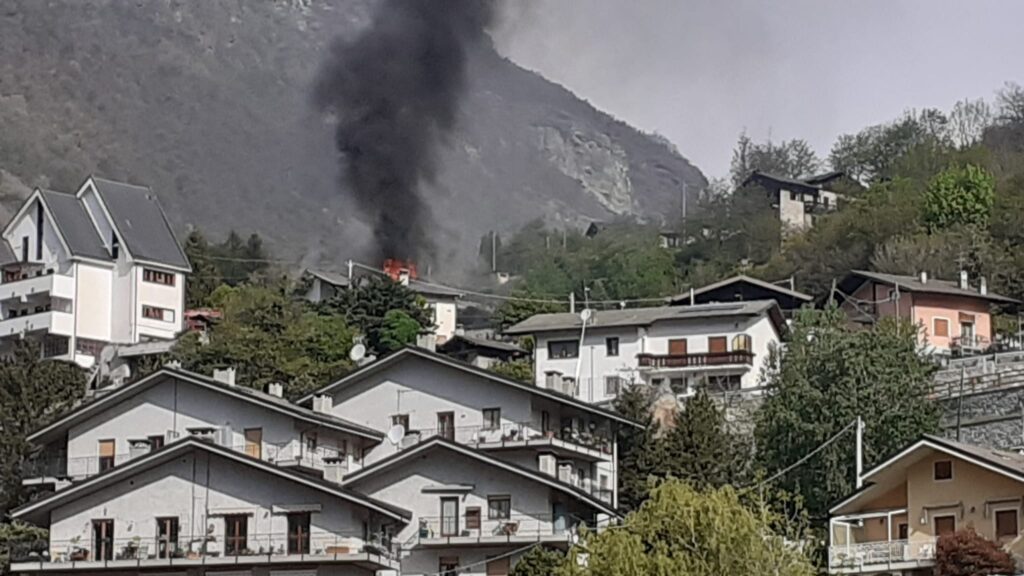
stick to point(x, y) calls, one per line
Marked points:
point(156, 313)
point(236, 532)
point(499, 507)
point(742, 342)
point(103, 539)
point(941, 327)
point(166, 537)
point(298, 533)
point(563, 349)
point(943, 470)
point(401, 420)
point(106, 455)
point(612, 385)
point(157, 277)
point(473, 518)
point(945, 525)
point(611, 346)
point(492, 418)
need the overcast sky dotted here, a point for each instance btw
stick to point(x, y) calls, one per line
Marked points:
point(700, 72)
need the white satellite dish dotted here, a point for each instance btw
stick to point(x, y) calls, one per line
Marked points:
point(585, 314)
point(396, 433)
point(357, 353)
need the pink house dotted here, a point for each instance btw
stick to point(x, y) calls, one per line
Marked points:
point(953, 315)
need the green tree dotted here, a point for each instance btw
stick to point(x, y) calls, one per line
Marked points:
point(19, 540)
point(967, 553)
point(699, 449)
point(686, 532)
point(789, 158)
point(205, 276)
point(366, 305)
point(32, 392)
point(521, 370)
point(640, 457)
point(522, 306)
point(959, 197)
point(539, 561)
point(269, 337)
point(832, 373)
point(398, 330)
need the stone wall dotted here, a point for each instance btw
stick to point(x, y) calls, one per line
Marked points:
point(992, 418)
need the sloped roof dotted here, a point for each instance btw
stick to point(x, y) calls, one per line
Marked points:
point(783, 180)
point(332, 278)
point(74, 225)
point(646, 316)
point(741, 279)
point(141, 223)
point(450, 362)
point(173, 450)
point(7, 255)
point(437, 443)
point(423, 287)
point(240, 392)
point(856, 278)
point(498, 345)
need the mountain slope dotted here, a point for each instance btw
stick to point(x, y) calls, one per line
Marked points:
point(208, 103)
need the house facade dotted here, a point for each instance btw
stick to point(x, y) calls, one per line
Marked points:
point(954, 317)
point(81, 271)
point(932, 488)
point(799, 201)
point(484, 463)
point(722, 346)
point(743, 288)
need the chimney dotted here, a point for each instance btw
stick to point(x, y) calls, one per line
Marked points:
point(403, 277)
point(552, 379)
point(227, 375)
point(963, 280)
point(460, 330)
point(983, 286)
point(323, 403)
point(924, 277)
point(275, 389)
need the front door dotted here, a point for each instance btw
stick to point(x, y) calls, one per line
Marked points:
point(446, 425)
point(103, 539)
point(677, 347)
point(449, 516)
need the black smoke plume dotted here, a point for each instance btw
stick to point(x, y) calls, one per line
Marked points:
point(396, 90)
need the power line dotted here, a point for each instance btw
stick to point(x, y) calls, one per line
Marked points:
point(806, 457)
point(456, 569)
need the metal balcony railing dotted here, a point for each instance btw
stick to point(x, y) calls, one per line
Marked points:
point(213, 549)
point(882, 554)
point(507, 435)
point(696, 360)
point(517, 527)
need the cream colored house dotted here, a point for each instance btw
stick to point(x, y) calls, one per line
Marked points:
point(934, 487)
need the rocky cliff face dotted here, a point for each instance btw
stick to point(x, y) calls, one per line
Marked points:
point(208, 103)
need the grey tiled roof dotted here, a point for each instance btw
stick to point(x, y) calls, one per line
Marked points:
point(639, 316)
point(74, 225)
point(141, 222)
point(914, 284)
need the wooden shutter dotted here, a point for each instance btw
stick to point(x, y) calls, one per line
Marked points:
point(254, 442)
point(473, 518)
point(677, 347)
point(945, 525)
point(106, 448)
point(717, 345)
point(1006, 523)
point(941, 327)
point(499, 567)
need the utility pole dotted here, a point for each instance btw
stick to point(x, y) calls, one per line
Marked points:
point(960, 401)
point(572, 302)
point(860, 452)
point(494, 251)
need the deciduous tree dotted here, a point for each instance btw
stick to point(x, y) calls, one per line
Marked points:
point(967, 553)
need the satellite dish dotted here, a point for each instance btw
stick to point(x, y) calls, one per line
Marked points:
point(396, 433)
point(357, 353)
point(585, 314)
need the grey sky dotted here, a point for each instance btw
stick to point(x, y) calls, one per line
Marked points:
point(701, 72)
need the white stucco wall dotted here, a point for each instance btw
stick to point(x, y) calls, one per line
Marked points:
point(174, 405)
point(199, 488)
point(161, 296)
point(53, 252)
point(445, 319)
point(125, 297)
point(95, 301)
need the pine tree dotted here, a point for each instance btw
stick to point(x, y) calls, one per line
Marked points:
point(699, 449)
point(640, 455)
point(205, 276)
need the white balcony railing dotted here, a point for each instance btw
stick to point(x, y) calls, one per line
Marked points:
point(56, 285)
point(515, 528)
point(50, 321)
point(881, 554)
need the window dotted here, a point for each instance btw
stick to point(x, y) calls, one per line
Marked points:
point(24, 248)
point(792, 195)
point(166, 537)
point(400, 420)
point(612, 385)
point(449, 516)
point(448, 565)
point(1006, 523)
point(157, 277)
point(311, 441)
point(742, 342)
point(943, 470)
point(825, 200)
point(724, 382)
point(115, 246)
point(254, 442)
point(545, 422)
point(236, 531)
point(89, 347)
point(492, 418)
point(103, 539)
point(677, 347)
point(611, 346)
point(53, 345)
point(155, 313)
point(498, 566)
point(106, 455)
point(945, 525)
point(902, 531)
point(941, 327)
point(717, 345)
point(298, 533)
point(155, 442)
point(677, 385)
point(499, 507)
point(563, 349)
point(473, 518)
point(446, 425)
point(39, 231)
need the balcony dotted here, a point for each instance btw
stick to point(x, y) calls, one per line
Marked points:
point(48, 321)
point(31, 283)
point(157, 554)
point(868, 557)
point(518, 435)
point(522, 528)
point(696, 360)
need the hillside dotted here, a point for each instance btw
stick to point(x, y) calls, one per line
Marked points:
point(208, 103)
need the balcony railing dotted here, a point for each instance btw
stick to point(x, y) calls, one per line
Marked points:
point(51, 321)
point(515, 528)
point(248, 549)
point(509, 435)
point(37, 282)
point(882, 554)
point(697, 360)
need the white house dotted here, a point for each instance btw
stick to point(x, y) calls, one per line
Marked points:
point(799, 201)
point(194, 505)
point(138, 418)
point(723, 346)
point(83, 270)
point(441, 301)
point(462, 442)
